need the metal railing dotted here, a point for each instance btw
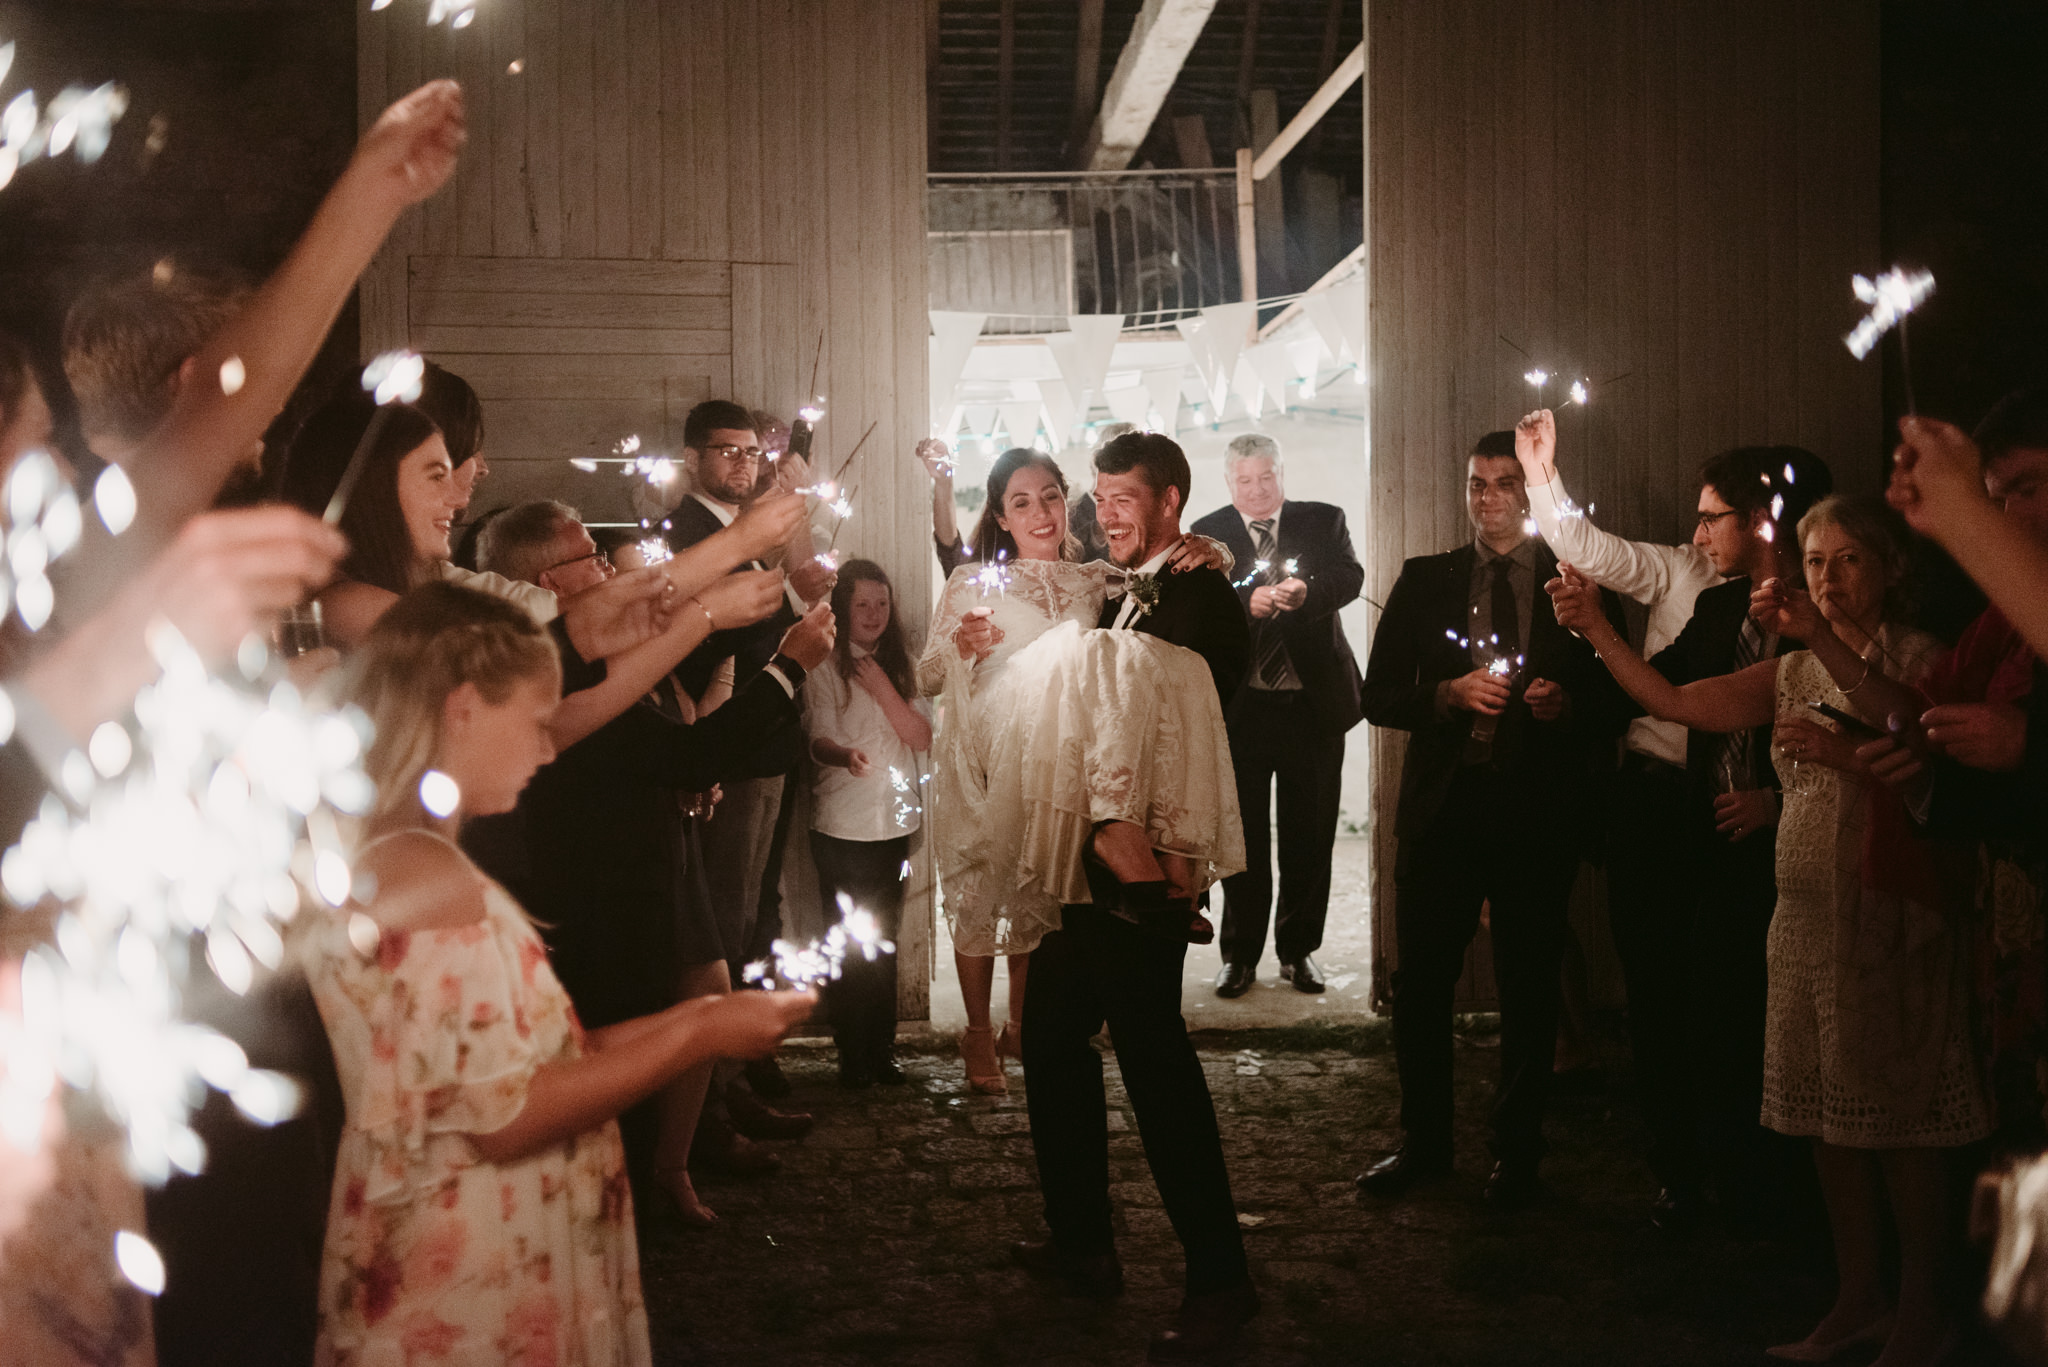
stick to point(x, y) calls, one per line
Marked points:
point(1028, 249)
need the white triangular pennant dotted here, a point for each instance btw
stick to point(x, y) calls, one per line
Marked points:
point(1020, 421)
point(1095, 337)
point(1321, 309)
point(1164, 388)
point(1131, 405)
point(1229, 324)
point(1274, 367)
point(953, 336)
point(981, 419)
point(1349, 301)
point(1060, 412)
point(1245, 383)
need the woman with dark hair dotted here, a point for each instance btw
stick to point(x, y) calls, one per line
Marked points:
point(397, 521)
point(866, 727)
point(1052, 729)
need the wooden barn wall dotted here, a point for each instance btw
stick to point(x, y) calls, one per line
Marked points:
point(1675, 191)
point(672, 200)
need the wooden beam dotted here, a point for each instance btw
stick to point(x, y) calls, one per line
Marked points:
point(1273, 266)
point(1191, 137)
point(1146, 69)
point(1311, 113)
point(1087, 70)
point(1247, 233)
point(931, 81)
point(1326, 60)
point(1006, 63)
point(1248, 53)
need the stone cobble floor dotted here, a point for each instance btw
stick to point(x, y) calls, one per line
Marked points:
point(884, 1238)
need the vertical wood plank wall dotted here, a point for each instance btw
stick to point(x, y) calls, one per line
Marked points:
point(674, 200)
point(1675, 190)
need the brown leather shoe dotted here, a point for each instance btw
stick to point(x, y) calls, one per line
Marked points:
point(756, 1119)
point(1206, 1324)
point(1100, 1275)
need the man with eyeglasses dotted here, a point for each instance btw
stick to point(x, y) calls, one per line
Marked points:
point(1691, 831)
point(743, 842)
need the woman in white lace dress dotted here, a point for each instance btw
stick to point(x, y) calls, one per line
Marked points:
point(1867, 1048)
point(1049, 728)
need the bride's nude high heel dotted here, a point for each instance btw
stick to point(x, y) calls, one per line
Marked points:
point(1010, 1041)
point(984, 1069)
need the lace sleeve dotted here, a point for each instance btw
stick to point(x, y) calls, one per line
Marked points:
point(938, 642)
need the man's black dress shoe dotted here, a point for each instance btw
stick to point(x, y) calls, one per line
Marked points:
point(1099, 1275)
point(1677, 1210)
point(1206, 1324)
point(1513, 1186)
point(1236, 979)
point(1303, 973)
point(1403, 1169)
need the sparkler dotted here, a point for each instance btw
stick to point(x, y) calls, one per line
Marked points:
point(902, 791)
point(653, 550)
point(1538, 378)
point(393, 377)
point(78, 120)
point(938, 453)
point(821, 961)
point(1891, 297)
point(993, 576)
point(828, 559)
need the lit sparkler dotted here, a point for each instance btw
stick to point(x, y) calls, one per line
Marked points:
point(392, 377)
point(1538, 378)
point(1579, 392)
point(993, 576)
point(77, 120)
point(904, 796)
point(938, 453)
point(1891, 297)
point(821, 961)
point(828, 559)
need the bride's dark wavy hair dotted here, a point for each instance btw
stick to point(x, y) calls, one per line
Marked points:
point(989, 537)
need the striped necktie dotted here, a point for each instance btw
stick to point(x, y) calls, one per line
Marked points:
point(1735, 766)
point(1269, 660)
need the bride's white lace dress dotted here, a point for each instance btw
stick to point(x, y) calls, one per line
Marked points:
point(1060, 727)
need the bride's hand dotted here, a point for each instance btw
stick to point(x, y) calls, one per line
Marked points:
point(976, 635)
point(1200, 553)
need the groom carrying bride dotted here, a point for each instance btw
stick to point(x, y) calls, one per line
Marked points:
point(1119, 960)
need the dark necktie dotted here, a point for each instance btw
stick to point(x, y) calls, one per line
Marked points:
point(1507, 616)
point(1735, 765)
point(1269, 662)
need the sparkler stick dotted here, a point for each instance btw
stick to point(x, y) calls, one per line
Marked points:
point(1892, 296)
point(847, 464)
point(395, 376)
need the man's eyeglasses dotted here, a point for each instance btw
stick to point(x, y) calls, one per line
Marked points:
point(726, 451)
point(1707, 520)
point(602, 560)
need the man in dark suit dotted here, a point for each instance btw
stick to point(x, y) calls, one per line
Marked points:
point(1506, 714)
point(1120, 959)
point(1288, 721)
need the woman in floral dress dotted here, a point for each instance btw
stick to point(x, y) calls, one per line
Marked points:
point(480, 1211)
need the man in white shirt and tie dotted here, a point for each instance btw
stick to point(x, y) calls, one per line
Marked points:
point(1691, 828)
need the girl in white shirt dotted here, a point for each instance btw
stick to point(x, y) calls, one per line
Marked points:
point(866, 732)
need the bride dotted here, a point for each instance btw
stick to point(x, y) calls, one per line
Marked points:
point(1051, 728)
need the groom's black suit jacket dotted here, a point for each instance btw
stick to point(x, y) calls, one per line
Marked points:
point(1198, 610)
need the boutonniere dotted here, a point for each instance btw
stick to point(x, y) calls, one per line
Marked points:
point(1144, 591)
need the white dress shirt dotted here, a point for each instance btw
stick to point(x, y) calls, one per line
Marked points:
point(1128, 613)
point(1665, 579)
point(849, 808)
point(537, 602)
point(725, 516)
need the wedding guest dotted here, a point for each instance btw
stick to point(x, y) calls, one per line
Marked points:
point(610, 845)
point(743, 840)
point(1868, 1048)
point(1693, 818)
point(1974, 784)
point(1505, 716)
point(1287, 723)
point(480, 1201)
point(867, 728)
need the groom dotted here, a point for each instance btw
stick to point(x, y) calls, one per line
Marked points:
point(1120, 961)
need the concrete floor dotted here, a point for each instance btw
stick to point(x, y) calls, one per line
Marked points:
point(1345, 958)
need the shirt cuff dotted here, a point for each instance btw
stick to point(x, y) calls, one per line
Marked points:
point(786, 672)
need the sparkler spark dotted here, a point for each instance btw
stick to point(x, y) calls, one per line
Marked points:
point(233, 375)
point(584, 463)
point(654, 550)
point(78, 120)
point(1538, 378)
point(903, 795)
point(395, 377)
point(1579, 392)
point(1891, 297)
point(993, 576)
point(821, 961)
point(828, 559)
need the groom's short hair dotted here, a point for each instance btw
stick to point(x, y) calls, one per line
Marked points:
point(1159, 458)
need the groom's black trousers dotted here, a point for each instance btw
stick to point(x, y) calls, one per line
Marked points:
point(1099, 968)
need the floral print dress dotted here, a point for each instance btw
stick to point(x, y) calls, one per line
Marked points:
point(433, 1254)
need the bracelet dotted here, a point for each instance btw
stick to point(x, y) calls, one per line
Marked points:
point(1863, 679)
point(709, 620)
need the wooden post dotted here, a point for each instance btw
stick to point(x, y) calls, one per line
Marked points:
point(1247, 233)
